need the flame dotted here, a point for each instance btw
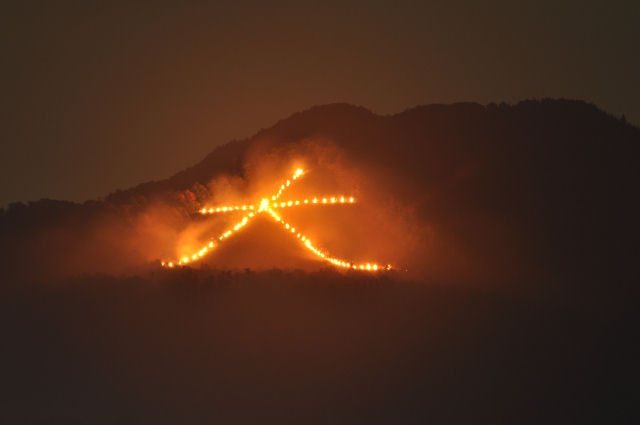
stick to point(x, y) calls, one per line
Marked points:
point(268, 206)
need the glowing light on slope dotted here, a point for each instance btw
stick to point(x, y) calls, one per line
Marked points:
point(267, 205)
point(306, 242)
point(298, 202)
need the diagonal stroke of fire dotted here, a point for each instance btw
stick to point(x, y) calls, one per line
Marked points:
point(269, 206)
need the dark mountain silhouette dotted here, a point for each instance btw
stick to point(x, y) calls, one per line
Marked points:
point(518, 225)
point(538, 191)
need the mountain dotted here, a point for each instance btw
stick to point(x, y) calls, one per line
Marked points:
point(540, 191)
point(514, 234)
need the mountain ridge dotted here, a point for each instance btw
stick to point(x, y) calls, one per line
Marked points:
point(227, 157)
point(500, 191)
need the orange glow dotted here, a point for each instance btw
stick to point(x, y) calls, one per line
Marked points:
point(268, 206)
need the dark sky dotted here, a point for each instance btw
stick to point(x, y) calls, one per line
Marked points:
point(96, 98)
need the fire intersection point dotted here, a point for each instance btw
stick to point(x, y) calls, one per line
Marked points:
point(269, 206)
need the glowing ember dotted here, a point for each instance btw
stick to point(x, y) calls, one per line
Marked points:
point(268, 205)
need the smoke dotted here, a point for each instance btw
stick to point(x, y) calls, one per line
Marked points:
point(393, 222)
point(378, 228)
point(50, 240)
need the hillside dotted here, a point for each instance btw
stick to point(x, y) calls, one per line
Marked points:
point(514, 299)
point(538, 191)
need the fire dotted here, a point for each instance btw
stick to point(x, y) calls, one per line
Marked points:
point(269, 205)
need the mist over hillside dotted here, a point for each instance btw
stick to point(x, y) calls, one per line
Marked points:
point(535, 193)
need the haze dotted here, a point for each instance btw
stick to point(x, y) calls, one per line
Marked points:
point(100, 98)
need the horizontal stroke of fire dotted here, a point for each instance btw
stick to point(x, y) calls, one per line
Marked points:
point(269, 206)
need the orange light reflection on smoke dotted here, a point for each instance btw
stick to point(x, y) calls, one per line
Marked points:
point(268, 206)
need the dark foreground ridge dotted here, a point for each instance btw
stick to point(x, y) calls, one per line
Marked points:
point(293, 347)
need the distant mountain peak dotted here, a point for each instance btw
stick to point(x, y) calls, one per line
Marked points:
point(344, 123)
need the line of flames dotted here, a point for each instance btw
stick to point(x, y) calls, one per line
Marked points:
point(268, 206)
point(327, 200)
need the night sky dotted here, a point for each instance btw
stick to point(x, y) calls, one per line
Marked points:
point(99, 98)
